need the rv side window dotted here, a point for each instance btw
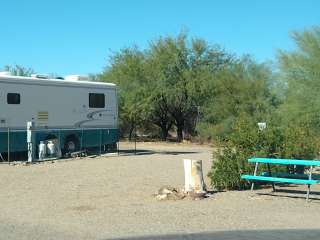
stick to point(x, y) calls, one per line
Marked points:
point(13, 98)
point(96, 100)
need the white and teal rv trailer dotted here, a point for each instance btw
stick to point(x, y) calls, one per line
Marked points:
point(81, 114)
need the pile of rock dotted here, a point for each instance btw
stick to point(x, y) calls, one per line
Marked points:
point(171, 193)
point(194, 187)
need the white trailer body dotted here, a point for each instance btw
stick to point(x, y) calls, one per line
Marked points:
point(79, 113)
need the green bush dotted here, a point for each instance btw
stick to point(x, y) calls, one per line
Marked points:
point(299, 142)
point(226, 171)
point(209, 132)
point(295, 141)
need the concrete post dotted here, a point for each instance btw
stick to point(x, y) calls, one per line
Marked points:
point(30, 142)
point(193, 176)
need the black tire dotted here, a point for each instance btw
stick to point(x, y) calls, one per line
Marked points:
point(71, 144)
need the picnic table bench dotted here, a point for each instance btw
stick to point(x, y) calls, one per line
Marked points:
point(304, 179)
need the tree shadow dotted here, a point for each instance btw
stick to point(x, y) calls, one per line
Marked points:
point(151, 152)
point(22, 157)
point(299, 194)
point(296, 234)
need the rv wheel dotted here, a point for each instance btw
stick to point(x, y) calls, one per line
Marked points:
point(71, 144)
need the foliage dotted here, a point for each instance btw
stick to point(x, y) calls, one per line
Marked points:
point(166, 84)
point(243, 88)
point(18, 70)
point(181, 69)
point(301, 74)
point(294, 141)
point(226, 170)
point(244, 141)
point(127, 71)
point(189, 86)
point(300, 141)
point(293, 118)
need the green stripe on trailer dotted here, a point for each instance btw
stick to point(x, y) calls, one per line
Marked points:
point(87, 137)
point(17, 141)
point(285, 161)
point(275, 179)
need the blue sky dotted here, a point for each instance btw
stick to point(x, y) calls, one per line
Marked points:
point(77, 36)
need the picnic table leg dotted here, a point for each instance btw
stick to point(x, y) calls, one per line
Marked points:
point(308, 193)
point(255, 173)
point(269, 171)
point(310, 177)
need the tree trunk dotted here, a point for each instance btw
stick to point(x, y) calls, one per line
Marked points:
point(193, 176)
point(131, 131)
point(179, 133)
point(164, 134)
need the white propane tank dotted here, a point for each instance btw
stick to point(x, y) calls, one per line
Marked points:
point(42, 150)
point(51, 147)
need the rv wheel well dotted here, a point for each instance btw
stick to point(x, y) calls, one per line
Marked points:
point(50, 136)
point(71, 143)
point(71, 137)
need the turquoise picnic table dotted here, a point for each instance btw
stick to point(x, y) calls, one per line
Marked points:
point(304, 179)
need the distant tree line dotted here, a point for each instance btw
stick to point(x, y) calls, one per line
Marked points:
point(203, 92)
point(199, 90)
point(18, 70)
point(188, 88)
point(293, 124)
point(186, 85)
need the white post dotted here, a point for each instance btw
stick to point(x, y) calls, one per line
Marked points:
point(30, 141)
point(193, 176)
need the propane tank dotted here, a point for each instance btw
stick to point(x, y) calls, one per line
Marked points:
point(42, 150)
point(51, 148)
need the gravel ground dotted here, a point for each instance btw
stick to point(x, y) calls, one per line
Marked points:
point(112, 197)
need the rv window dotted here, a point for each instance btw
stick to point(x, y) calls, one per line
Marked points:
point(96, 100)
point(13, 98)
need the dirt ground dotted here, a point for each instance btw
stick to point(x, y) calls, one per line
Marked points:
point(111, 196)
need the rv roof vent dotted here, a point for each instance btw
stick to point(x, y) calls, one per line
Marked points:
point(41, 76)
point(76, 78)
point(5, 73)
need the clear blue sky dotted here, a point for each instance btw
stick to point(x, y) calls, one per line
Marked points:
point(77, 36)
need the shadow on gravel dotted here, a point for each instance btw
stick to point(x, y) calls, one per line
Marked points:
point(300, 194)
point(293, 191)
point(150, 152)
point(125, 152)
point(238, 235)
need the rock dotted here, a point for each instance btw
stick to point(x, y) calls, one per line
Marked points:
point(167, 190)
point(196, 196)
point(171, 193)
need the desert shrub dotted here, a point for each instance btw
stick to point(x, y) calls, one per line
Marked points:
point(226, 171)
point(295, 140)
point(209, 132)
point(244, 142)
point(299, 141)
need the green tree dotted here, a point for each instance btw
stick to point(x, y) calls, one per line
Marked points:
point(18, 70)
point(300, 72)
point(127, 71)
point(159, 113)
point(179, 68)
point(243, 87)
